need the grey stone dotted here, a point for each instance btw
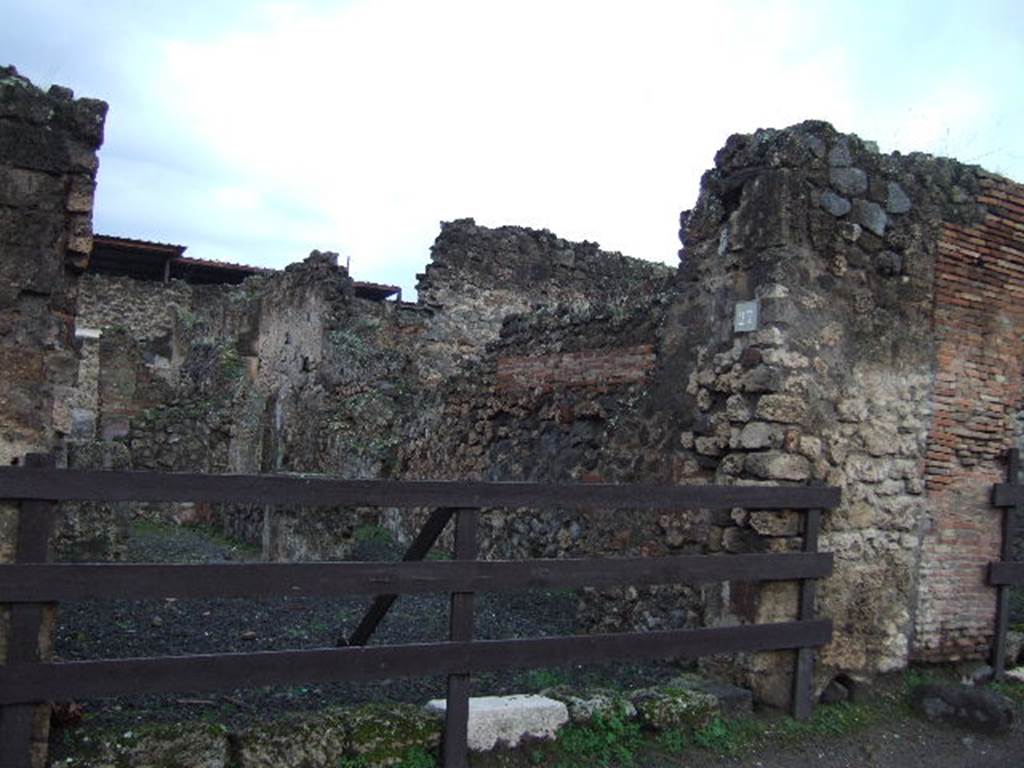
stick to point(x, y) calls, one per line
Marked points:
point(814, 144)
point(850, 231)
point(737, 408)
point(839, 155)
point(974, 708)
point(889, 263)
point(1014, 647)
point(896, 199)
point(788, 409)
point(849, 181)
point(663, 709)
point(732, 700)
point(774, 465)
point(757, 434)
point(834, 204)
point(205, 746)
point(870, 216)
point(585, 705)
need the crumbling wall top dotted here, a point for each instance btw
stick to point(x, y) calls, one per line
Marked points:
point(23, 103)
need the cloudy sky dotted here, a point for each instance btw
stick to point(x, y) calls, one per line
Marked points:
point(256, 131)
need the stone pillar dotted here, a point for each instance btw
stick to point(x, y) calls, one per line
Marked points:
point(843, 251)
point(48, 143)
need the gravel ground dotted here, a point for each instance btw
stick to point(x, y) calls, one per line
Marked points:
point(125, 628)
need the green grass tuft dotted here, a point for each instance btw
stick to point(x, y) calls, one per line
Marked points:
point(605, 741)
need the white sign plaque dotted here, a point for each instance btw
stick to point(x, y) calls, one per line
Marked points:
point(747, 316)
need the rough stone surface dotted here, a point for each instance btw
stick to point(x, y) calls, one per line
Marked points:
point(834, 204)
point(681, 709)
point(48, 143)
point(870, 216)
point(375, 735)
point(187, 745)
point(504, 721)
point(896, 200)
point(733, 701)
point(300, 740)
point(586, 705)
point(849, 181)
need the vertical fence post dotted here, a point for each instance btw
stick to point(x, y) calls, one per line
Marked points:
point(1010, 515)
point(35, 524)
point(456, 723)
point(803, 674)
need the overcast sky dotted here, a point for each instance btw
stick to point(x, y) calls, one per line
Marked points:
point(256, 131)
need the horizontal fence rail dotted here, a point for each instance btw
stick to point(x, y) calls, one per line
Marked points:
point(34, 682)
point(31, 583)
point(299, 490)
point(52, 583)
point(1008, 495)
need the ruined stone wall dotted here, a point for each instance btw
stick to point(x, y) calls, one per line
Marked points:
point(291, 372)
point(478, 276)
point(48, 143)
point(887, 361)
point(869, 343)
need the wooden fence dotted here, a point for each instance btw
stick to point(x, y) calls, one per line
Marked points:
point(30, 583)
point(1005, 573)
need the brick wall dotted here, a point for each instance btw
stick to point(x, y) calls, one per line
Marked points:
point(979, 333)
point(600, 369)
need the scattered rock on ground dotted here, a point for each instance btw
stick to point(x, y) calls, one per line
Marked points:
point(968, 707)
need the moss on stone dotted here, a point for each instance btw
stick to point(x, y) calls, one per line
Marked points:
point(309, 741)
point(178, 745)
point(663, 709)
point(384, 735)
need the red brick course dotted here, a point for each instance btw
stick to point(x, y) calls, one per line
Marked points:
point(979, 330)
point(602, 369)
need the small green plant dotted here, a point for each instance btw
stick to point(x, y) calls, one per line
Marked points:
point(727, 737)
point(833, 720)
point(1010, 689)
point(606, 741)
point(373, 533)
point(539, 679)
point(417, 757)
point(231, 364)
point(673, 742)
point(414, 757)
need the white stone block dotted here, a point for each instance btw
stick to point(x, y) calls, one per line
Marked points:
point(505, 720)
